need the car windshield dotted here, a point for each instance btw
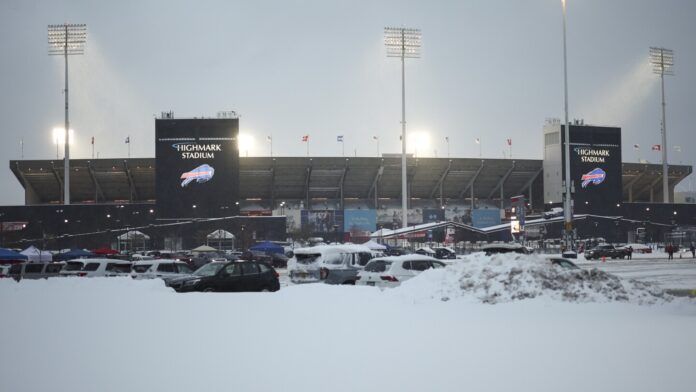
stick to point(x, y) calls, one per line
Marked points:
point(307, 258)
point(184, 268)
point(118, 268)
point(73, 266)
point(377, 266)
point(140, 268)
point(209, 269)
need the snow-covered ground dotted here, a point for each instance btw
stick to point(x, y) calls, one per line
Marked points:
point(668, 274)
point(118, 334)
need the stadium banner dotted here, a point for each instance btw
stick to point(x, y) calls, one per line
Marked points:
point(595, 167)
point(359, 223)
point(197, 167)
point(322, 221)
point(481, 218)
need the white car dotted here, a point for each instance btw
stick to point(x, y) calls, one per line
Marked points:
point(96, 267)
point(161, 268)
point(391, 271)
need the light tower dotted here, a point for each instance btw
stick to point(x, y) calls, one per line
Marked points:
point(66, 39)
point(662, 61)
point(567, 188)
point(403, 43)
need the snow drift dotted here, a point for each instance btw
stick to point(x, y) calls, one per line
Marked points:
point(511, 277)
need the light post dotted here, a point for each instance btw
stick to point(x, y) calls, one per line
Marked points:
point(66, 40)
point(403, 43)
point(567, 199)
point(662, 61)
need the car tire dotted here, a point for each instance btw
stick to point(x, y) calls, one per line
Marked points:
point(208, 290)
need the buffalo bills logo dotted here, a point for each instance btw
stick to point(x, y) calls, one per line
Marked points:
point(202, 173)
point(596, 177)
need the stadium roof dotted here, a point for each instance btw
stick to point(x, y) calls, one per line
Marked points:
point(280, 178)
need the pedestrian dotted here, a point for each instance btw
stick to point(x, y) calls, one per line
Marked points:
point(693, 251)
point(630, 253)
point(670, 251)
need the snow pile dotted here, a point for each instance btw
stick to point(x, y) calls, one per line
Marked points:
point(510, 277)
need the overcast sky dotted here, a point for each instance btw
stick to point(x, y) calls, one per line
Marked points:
point(489, 69)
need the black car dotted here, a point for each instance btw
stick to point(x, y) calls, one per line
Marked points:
point(606, 250)
point(230, 277)
point(563, 263)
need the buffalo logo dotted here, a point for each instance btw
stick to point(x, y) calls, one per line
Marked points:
point(202, 173)
point(596, 177)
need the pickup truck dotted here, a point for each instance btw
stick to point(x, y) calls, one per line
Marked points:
point(606, 250)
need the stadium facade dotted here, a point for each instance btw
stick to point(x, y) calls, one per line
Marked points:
point(197, 183)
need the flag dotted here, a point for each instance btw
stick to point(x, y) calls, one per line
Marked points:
point(447, 139)
point(509, 142)
point(339, 138)
point(127, 139)
point(478, 141)
point(677, 148)
point(268, 138)
point(636, 146)
point(305, 138)
point(375, 137)
point(656, 147)
point(92, 140)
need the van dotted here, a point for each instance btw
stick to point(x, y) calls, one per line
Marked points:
point(35, 270)
point(96, 267)
point(332, 264)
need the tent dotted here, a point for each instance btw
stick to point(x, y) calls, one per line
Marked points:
point(72, 254)
point(36, 255)
point(222, 239)
point(203, 249)
point(374, 245)
point(105, 251)
point(10, 255)
point(268, 247)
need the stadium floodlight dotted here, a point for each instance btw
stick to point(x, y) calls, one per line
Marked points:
point(66, 40)
point(662, 61)
point(404, 43)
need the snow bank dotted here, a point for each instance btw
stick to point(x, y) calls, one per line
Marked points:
point(510, 277)
point(117, 334)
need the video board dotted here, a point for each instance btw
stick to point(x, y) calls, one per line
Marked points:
point(595, 168)
point(197, 168)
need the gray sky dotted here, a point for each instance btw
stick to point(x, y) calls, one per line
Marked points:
point(489, 70)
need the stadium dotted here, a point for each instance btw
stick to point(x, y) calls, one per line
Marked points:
point(341, 198)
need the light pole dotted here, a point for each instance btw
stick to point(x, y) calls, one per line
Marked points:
point(66, 40)
point(567, 199)
point(662, 61)
point(403, 43)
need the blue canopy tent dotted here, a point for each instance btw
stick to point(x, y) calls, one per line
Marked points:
point(268, 247)
point(10, 255)
point(72, 254)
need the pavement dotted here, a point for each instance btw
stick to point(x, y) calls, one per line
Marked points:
point(677, 274)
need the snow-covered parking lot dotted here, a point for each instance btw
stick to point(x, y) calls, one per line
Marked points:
point(431, 334)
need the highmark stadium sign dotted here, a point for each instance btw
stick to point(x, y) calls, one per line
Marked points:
point(197, 170)
point(192, 150)
point(592, 155)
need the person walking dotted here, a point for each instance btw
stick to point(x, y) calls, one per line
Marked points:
point(693, 251)
point(630, 253)
point(670, 251)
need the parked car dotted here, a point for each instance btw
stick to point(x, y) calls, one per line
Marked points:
point(231, 276)
point(333, 264)
point(34, 270)
point(562, 262)
point(390, 271)
point(396, 251)
point(96, 267)
point(160, 268)
point(606, 250)
point(490, 249)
